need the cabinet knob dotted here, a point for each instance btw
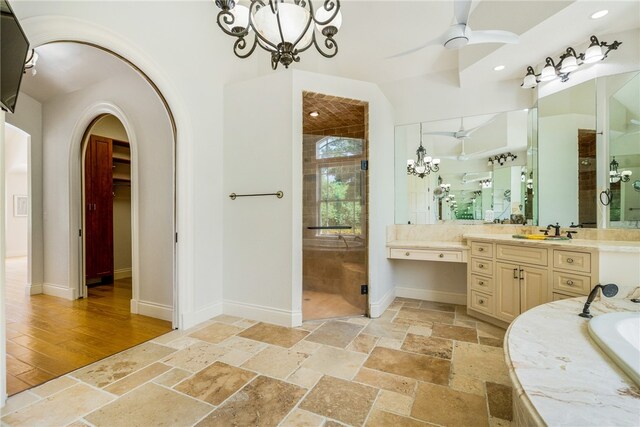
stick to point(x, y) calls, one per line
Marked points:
point(569, 260)
point(480, 301)
point(481, 283)
point(407, 253)
point(570, 282)
point(481, 265)
point(441, 255)
point(480, 249)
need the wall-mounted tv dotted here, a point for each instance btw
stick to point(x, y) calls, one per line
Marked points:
point(14, 48)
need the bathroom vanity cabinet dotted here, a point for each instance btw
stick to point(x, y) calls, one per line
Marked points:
point(507, 279)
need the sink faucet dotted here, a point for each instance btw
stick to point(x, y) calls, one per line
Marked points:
point(556, 227)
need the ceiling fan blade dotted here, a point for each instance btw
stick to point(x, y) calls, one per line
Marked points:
point(493, 36)
point(415, 49)
point(451, 134)
point(461, 10)
point(468, 132)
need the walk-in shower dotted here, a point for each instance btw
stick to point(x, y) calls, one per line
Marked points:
point(334, 207)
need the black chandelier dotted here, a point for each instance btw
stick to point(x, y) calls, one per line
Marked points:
point(425, 164)
point(501, 159)
point(615, 176)
point(568, 62)
point(285, 28)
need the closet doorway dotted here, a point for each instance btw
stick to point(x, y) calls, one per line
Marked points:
point(106, 187)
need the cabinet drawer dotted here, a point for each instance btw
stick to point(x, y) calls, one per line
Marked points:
point(426, 255)
point(482, 266)
point(558, 297)
point(482, 302)
point(523, 254)
point(482, 249)
point(482, 284)
point(574, 261)
point(568, 282)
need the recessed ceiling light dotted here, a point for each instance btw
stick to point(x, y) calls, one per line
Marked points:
point(599, 14)
point(314, 114)
point(498, 68)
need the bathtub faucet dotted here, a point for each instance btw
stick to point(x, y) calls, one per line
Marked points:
point(608, 291)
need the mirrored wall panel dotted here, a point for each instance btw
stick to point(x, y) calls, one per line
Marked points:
point(467, 169)
point(624, 152)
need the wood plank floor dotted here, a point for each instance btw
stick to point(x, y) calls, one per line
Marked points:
point(49, 336)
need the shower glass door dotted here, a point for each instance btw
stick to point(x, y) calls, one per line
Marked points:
point(335, 227)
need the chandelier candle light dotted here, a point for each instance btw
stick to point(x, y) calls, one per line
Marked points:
point(568, 62)
point(425, 164)
point(285, 28)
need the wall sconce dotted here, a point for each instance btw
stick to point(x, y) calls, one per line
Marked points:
point(615, 176)
point(568, 62)
point(501, 159)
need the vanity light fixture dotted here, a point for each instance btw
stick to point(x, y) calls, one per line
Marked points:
point(615, 176)
point(284, 28)
point(485, 183)
point(568, 62)
point(530, 181)
point(424, 164)
point(501, 159)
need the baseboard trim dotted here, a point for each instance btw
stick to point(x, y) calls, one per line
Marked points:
point(263, 313)
point(152, 309)
point(430, 295)
point(190, 320)
point(59, 291)
point(377, 308)
point(121, 273)
point(34, 289)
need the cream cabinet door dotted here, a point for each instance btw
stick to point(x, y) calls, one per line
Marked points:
point(534, 288)
point(507, 291)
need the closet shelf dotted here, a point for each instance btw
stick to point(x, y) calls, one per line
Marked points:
point(121, 158)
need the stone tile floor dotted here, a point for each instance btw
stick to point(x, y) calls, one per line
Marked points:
point(420, 363)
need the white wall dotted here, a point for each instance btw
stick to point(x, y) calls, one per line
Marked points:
point(16, 184)
point(263, 236)
point(28, 118)
point(154, 146)
point(110, 127)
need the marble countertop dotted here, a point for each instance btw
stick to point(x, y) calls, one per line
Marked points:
point(561, 377)
point(602, 245)
point(426, 244)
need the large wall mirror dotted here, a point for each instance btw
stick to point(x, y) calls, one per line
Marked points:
point(574, 159)
point(624, 151)
point(485, 171)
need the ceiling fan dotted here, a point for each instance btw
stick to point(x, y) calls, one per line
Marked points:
point(462, 133)
point(460, 34)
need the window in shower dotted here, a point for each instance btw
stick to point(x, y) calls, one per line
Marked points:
point(340, 185)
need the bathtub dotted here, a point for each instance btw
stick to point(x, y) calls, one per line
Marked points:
point(618, 334)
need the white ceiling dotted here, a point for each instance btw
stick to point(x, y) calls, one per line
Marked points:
point(375, 30)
